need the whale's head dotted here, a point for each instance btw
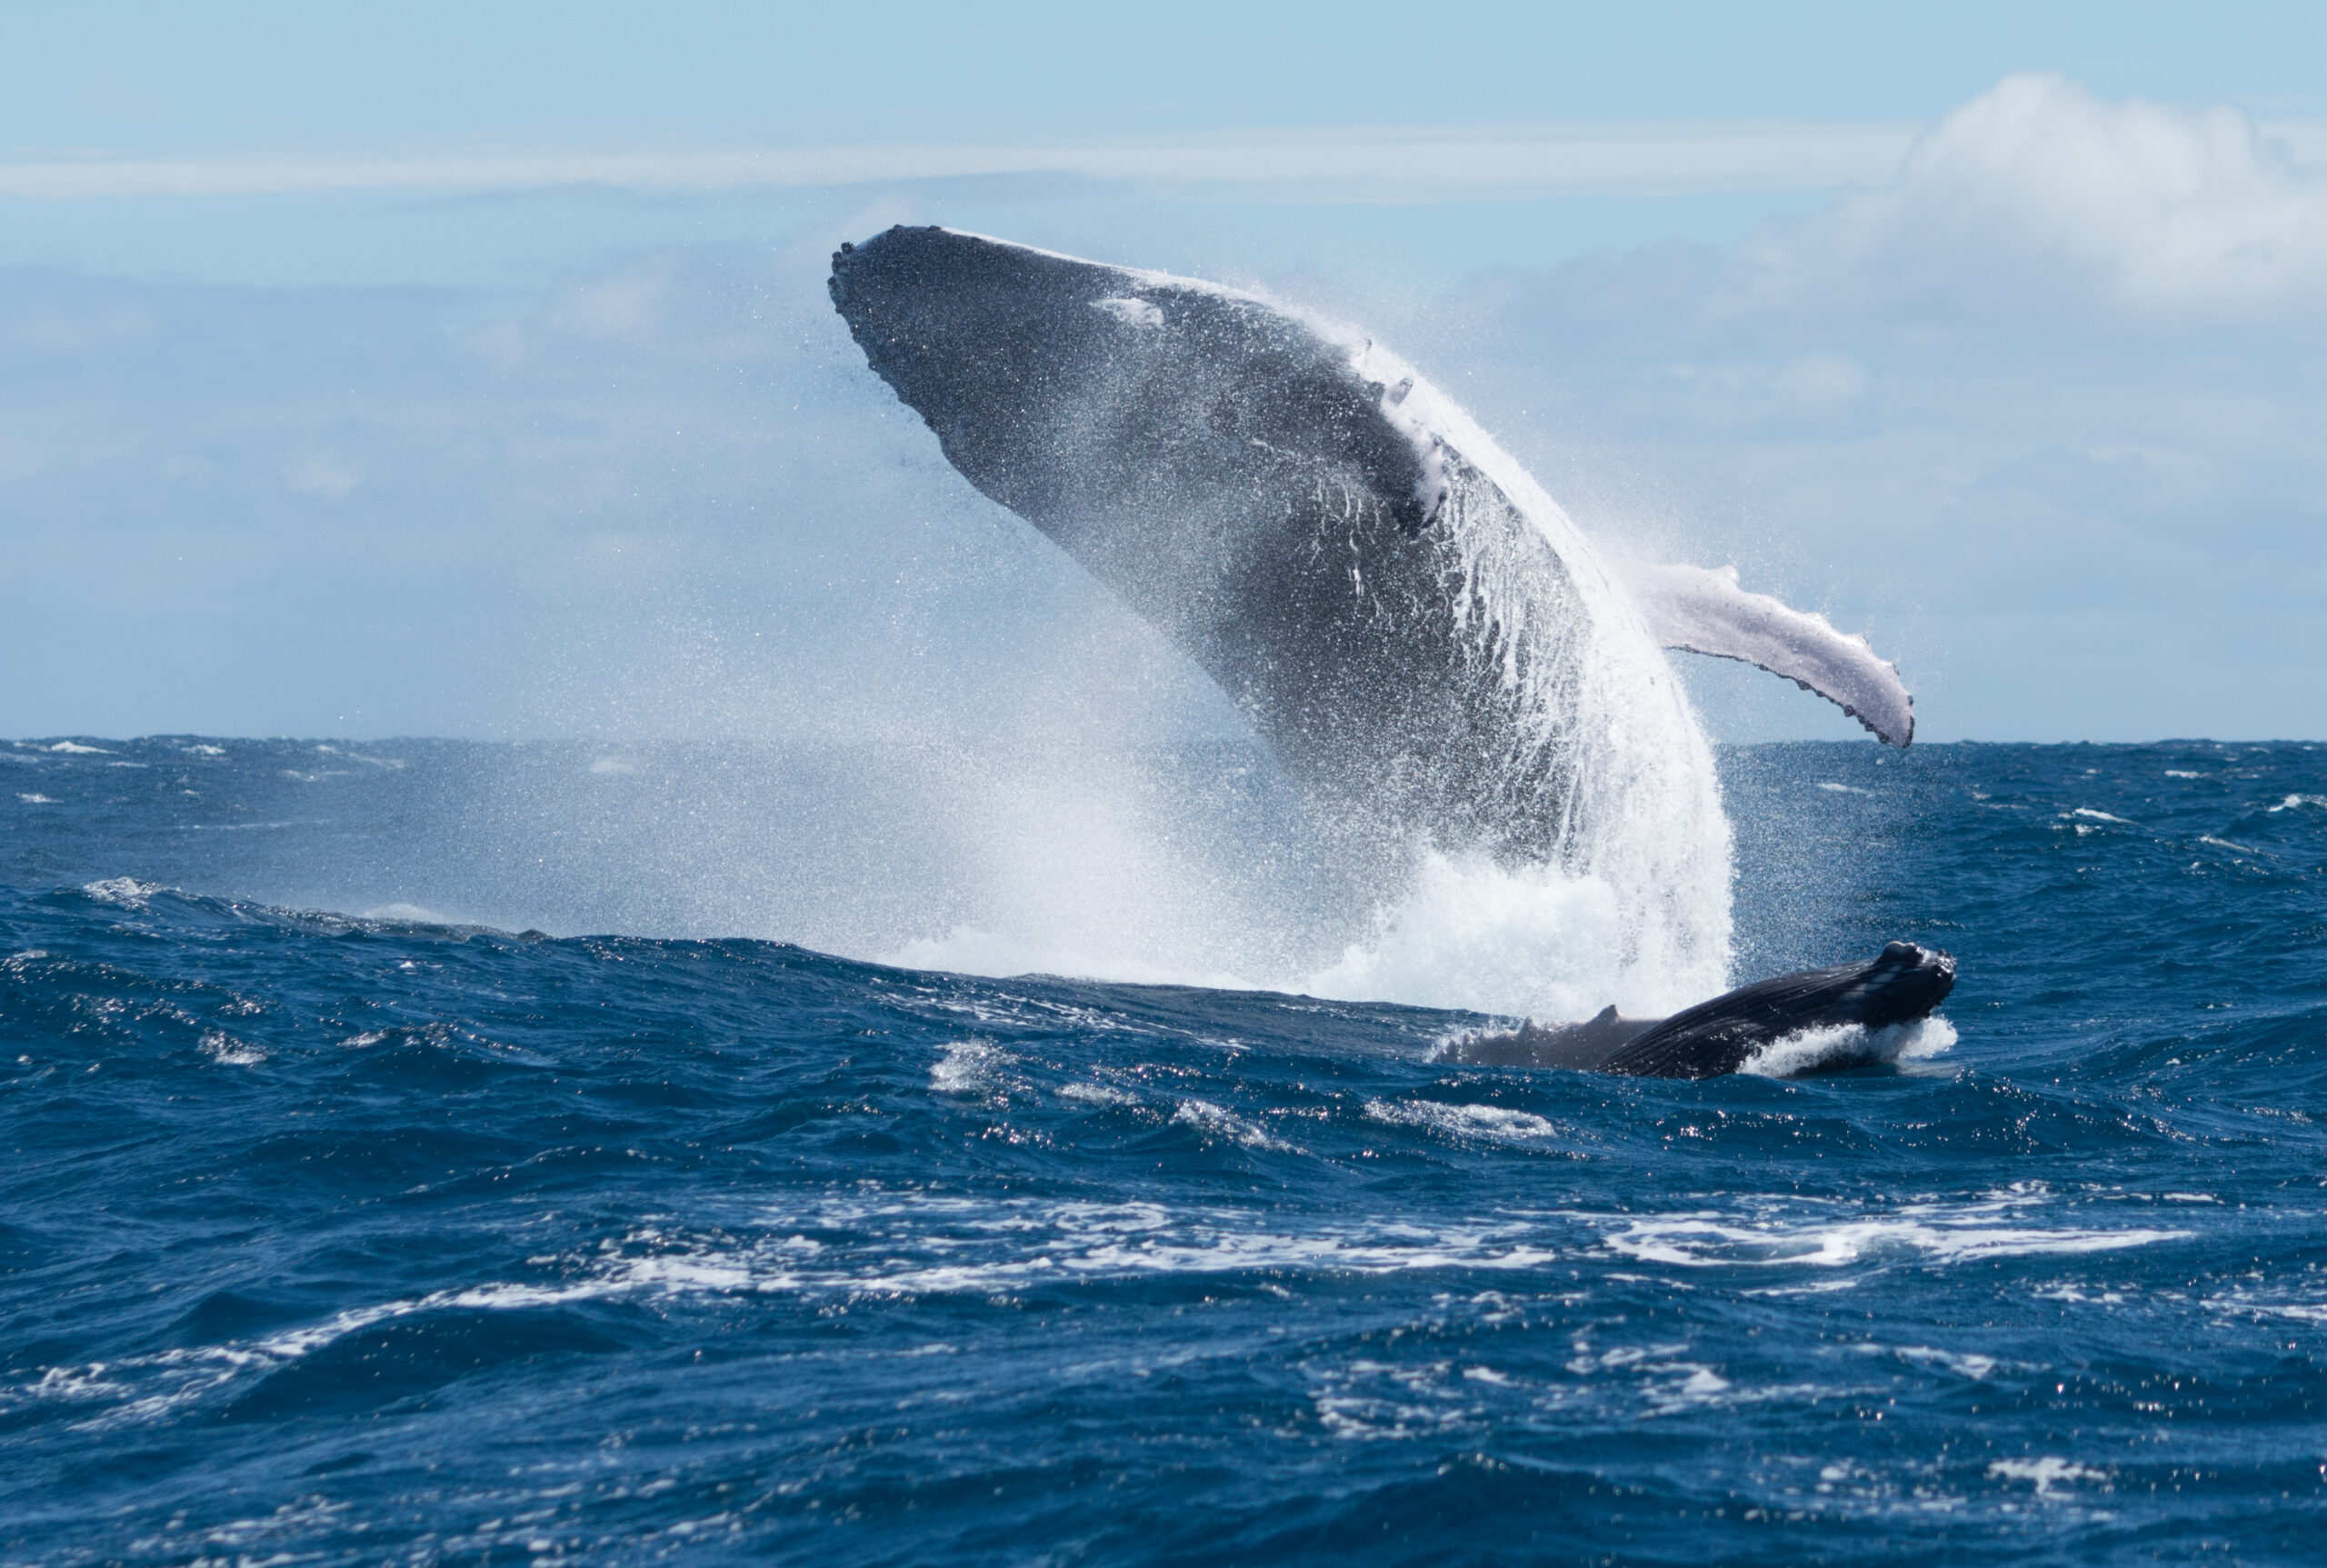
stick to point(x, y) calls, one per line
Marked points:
point(1906, 981)
point(1085, 398)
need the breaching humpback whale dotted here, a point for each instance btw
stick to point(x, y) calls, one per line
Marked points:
point(1382, 593)
point(1902, 983)
point(1432, 651)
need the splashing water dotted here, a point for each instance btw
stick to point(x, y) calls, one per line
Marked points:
point(1910, 1046)
point(1633, 906)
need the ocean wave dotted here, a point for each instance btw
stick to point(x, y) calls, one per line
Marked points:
point(1938, 1235)
point(622, 1233)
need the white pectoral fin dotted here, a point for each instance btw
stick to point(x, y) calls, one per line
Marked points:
point(1705, 612)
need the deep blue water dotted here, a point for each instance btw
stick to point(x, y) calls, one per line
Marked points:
point(331, 1239)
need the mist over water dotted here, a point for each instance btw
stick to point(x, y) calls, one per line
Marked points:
point(1194, 864)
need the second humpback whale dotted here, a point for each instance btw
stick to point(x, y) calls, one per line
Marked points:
point(1902, 983)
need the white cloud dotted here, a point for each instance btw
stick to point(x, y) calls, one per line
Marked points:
point(2041, 412)
point(319, 474)
point(2040, 192)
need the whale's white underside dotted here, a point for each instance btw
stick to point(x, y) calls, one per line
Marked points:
point(1705, 612)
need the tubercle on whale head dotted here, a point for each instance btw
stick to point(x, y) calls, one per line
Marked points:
point(1392, 382)
point(1915, 953)
point(1913, 978)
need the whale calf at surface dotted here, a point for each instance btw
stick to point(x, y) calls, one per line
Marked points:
point(1431, 649)
point(1904, 982)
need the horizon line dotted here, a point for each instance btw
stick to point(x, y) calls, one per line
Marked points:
point(1678, 157)
point(61, 741)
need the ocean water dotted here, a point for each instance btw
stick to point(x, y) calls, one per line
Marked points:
point(408, 1161)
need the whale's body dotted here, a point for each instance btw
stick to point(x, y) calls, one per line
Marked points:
point(1254, 489)
point(1433, 653)
point(1389, 599)
point(1904, 982)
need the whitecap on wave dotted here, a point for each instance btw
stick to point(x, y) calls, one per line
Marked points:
point(969, 1067)
point(1938, 1234)
point(125, 892)
point(1490, 1123)
point(1219, 1121)
point(1843, 1046)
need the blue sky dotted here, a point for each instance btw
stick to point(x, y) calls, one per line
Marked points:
point(262, 78)
point(465, 369)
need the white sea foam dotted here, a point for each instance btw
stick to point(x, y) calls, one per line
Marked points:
point(2181, 773)
point(1529, 942)
point(1493, 1123)
point(1525, 942)
point(36, 799)
point(2043, 1473)
point(1852, 1045)
point(1042, 1242)
point(1219, 1121)
point(968, 1068)
point(127, 892)
point(921, 1245)
point(2089, 815)
point(222, 1047)
point(1097, 1094)
point(1709, 1241)
point(1830, 785)
point(1963, 1363)
point(911, 1244)
point(76, 749)
point(2296, 802)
